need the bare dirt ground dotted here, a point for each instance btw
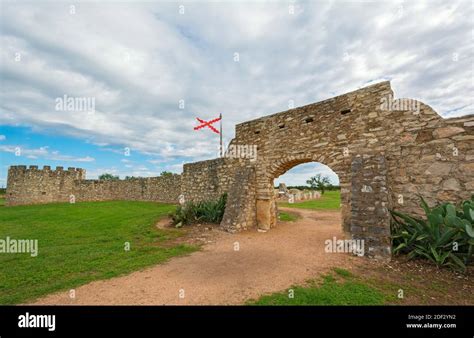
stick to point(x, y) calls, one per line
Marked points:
point(289, 254)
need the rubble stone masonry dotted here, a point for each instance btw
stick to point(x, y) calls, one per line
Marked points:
point(384, 154)
point(34, 186)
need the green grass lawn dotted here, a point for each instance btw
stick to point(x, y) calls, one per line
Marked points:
point(79, 243)
point(338, 288)
point(287, 216)
point(331, 200)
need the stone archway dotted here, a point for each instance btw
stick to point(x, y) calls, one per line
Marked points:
point(364, 197)
point(386, 152)
point(265, 203)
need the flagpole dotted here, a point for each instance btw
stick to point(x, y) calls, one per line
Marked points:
point(220, 134)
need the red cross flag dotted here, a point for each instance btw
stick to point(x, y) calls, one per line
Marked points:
point(209, 124)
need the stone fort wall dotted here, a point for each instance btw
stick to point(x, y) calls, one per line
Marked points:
point(30, 185)
point(398, 151)
point(384, 156)
point(200, 181)
point(425, 153)
point(208, 180)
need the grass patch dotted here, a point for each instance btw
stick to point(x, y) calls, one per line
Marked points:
point(79, 243)
point(330, 292)
point(343, 272)
point(331, 200)
point(287, 216)
point(342, 287)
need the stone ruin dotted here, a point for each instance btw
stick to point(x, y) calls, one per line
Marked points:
point(384, 154)
point(294, 195)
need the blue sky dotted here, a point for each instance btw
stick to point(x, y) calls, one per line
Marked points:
point(139, 61)
point(49, 148)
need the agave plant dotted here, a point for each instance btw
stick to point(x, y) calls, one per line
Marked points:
point(445, 237)
point(182, 215)
point(206, 211)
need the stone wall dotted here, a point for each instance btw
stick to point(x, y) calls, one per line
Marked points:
point(34, 186)
point(208, 180)
point(432, 157)
point(240, 212)
point(370, 204)
point(163, 189)
point(365, 140)
point(200, 181)
point(424, 153)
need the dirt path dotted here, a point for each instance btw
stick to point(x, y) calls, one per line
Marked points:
point(291, 253)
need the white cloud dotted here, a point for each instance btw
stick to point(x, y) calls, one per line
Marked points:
point(43, 153)
point(138, 61)
point(3, 137)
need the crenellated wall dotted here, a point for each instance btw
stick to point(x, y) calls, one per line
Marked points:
point(30, 185)
point(200, 181)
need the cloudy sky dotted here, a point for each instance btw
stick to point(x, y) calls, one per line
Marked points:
point(149, 69)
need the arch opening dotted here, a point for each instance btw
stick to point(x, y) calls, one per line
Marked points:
point(338, 169)
point(364, 198)
point(311, 189)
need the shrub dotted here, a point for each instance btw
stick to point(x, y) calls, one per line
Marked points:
point(108, 177)
point(207, 211)
point(445, 237)
point(166, 174)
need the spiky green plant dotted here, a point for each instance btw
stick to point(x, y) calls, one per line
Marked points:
point(445, 237)
point(205, 211)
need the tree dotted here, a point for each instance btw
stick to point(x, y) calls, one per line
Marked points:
point(166, 174)
point(319, 182)
point(108, 177)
